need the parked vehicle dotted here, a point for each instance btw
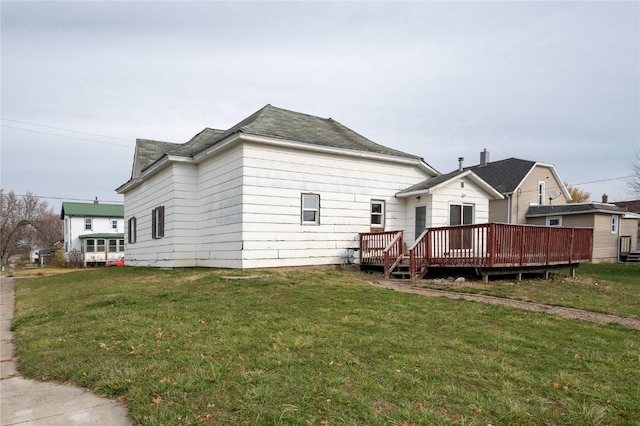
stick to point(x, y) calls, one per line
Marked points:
point(115, 263)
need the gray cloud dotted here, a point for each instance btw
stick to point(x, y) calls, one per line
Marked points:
point(556, 82)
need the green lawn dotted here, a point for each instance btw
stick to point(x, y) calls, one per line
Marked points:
point(607, 288)
point(318, 348)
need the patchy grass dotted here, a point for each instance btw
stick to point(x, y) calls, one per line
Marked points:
point(317, 347)
point(37, 272)
point(606, 288)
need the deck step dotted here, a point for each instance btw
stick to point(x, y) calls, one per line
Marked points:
point(633, 257)
point(402, 271)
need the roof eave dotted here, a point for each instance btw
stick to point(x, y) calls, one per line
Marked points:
point(340, 151)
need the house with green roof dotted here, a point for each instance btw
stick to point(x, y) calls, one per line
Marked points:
point(282, 188)
point(95, 230)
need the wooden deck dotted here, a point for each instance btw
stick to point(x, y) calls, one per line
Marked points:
point(490, 248)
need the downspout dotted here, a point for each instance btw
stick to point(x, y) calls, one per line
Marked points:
point(509, 215)
point(518, 205)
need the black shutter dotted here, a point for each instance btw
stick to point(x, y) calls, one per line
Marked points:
point(161, 221)
point(153, 223)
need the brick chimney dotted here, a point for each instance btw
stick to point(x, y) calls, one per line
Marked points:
point(605, 199)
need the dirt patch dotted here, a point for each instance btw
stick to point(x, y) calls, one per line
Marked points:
point(570, 313)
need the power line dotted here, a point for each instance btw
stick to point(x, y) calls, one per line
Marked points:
point(68, 198)
point(68, 137)
point(66, 130)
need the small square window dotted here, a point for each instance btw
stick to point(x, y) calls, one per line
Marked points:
point(554, 221)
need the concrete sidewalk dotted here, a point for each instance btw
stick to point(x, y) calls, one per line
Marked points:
point(29, 402)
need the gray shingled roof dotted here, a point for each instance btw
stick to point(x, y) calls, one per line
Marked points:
point(274, 123)
point(504, 175)
point(577, 208)
point(430, 183)
point(630, 206)
point(149, 151)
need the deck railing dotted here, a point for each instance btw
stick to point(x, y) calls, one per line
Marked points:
point(491, 245)
point(495, 245)
point(373, 245)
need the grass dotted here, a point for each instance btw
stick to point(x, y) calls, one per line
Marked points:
point(317, 347)
point(37, 272)
point(606, 288)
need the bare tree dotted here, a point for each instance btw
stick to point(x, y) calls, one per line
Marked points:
point(577, 195)
point(26, 220)
point(633, 181)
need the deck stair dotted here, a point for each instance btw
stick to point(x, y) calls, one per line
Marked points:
point(403, 270)
point(632, 257)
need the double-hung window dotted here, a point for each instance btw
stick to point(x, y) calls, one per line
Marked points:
point(377, 213)
point(114, 224)
point(113, 246)
point(310, 209)
point(88, 224)
point(614, 224)
point(157, 222)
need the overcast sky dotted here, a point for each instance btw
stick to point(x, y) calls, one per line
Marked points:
point(555, 82)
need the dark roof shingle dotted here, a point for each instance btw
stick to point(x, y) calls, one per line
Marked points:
point(504, 175)
point(576, 208)
point(270, 122)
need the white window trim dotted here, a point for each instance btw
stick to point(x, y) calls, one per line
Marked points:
point(90, 224)
point(614, 224)
point(462, 206)
point(549, 218)
point(382, 214)
point(304, 209)
point(542, 192)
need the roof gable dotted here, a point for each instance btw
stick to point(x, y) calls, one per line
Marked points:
point(91, 210)
point(504, 175)
point(435, 183)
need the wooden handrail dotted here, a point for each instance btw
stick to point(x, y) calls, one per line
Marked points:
point(394, 248)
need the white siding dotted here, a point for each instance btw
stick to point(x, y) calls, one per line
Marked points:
point(240, 208)
point(275, 179)
point(438, 203)
point(220, 210)
point(139, 203)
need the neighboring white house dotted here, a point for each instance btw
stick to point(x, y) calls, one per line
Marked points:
point(95, 230)
point(282, 188)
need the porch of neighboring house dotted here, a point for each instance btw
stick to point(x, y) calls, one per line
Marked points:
point(627, 252)
point(486, 249)
point(98, 249)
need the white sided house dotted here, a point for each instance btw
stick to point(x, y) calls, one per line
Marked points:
point(94, 230)
point(282, 188)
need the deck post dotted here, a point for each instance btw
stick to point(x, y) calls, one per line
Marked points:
point(572, 272)
point(519, 276)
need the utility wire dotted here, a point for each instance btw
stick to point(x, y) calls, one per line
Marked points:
point(68, 199)
point(69, 137)
point(66, 130)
